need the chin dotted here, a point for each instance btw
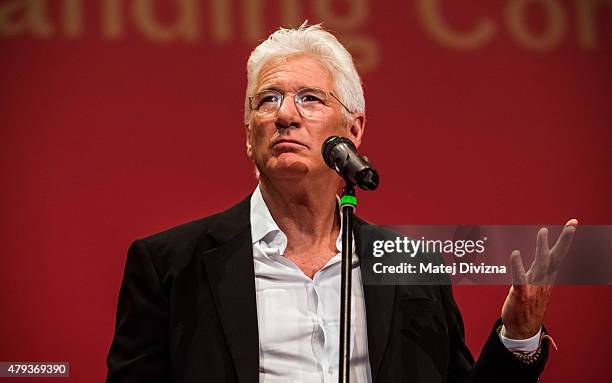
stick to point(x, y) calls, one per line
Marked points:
point(288, 165)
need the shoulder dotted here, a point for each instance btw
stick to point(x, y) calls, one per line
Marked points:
point(174, 247)
point(180, 235)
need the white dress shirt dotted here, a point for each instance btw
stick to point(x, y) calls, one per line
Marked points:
point(298, 317)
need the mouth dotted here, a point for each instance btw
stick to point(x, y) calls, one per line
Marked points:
point(288, 143)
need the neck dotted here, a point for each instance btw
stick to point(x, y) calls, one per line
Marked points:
point(305, 210)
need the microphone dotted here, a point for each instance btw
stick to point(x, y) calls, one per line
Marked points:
point(340, 154)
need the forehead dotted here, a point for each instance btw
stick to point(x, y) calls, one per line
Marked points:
point(291, 73)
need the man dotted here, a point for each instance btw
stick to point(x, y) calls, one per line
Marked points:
point(252, 294)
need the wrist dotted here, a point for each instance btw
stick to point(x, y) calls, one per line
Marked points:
point(528, 351)
point(520, 345)
point(519, 334)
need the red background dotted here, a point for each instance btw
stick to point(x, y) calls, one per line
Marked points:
point(106, 138)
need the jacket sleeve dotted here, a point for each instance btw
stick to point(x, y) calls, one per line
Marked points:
point(139, 350)
point(495, 364)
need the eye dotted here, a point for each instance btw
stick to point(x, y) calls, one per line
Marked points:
point(310, 97)
point(267, 99)
point(270, 98)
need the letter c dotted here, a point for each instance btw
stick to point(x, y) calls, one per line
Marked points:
point(435, 25)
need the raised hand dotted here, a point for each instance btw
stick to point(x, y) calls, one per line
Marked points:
point(526, 303)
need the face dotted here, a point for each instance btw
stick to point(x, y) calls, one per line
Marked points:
point(285, 144)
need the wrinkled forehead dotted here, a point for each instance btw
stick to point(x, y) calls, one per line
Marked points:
point(294, 72)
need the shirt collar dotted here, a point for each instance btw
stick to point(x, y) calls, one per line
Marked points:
point(262, 222)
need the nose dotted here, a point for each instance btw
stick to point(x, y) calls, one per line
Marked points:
point(288, 115)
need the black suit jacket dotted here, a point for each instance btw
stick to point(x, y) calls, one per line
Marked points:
point(187, 313)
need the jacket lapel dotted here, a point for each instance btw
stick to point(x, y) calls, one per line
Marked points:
point(379, 311)
point(230, 271)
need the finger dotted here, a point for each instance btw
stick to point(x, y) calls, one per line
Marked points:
point(519, 278)
point(564, 242)
point(572, 222)
point(541, 247)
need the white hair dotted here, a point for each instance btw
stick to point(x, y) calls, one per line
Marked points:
point(314, 42)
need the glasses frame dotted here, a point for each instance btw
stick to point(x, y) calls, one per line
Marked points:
point(295, 101)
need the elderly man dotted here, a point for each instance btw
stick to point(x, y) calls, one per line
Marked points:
point(252, 294)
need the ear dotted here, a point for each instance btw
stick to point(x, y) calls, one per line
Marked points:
point(356, 127)
point(249, 148)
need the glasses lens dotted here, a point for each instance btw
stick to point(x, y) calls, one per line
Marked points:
point(267, 101)
point(310, 101)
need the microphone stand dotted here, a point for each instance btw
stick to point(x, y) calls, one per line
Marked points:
point(348, 203)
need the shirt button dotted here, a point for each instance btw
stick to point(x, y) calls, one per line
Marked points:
point(330, 370)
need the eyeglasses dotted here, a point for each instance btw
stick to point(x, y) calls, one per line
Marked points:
point(309, 102)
